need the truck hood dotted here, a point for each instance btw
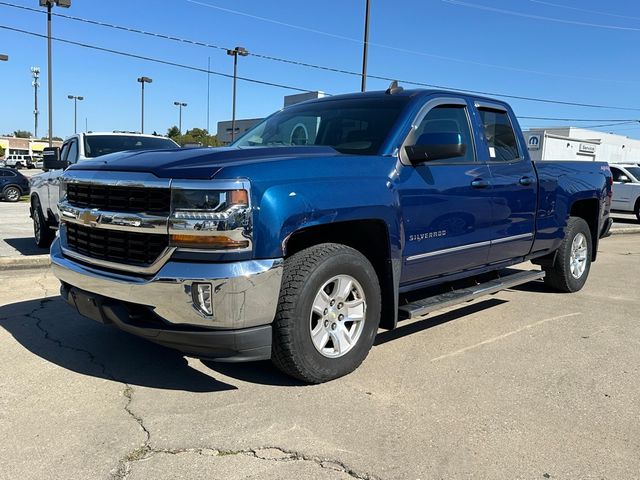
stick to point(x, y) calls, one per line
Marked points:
point(196, 163)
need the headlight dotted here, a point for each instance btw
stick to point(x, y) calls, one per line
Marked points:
point(210, 219)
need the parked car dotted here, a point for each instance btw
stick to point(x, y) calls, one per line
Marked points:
point(77, 149)
point(323, 223)
point(626, 189)
point(13, 184)
point(19, 161)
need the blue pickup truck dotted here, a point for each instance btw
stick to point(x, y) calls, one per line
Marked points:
point(327, 221)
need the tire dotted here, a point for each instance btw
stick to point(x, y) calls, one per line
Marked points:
point(570, 269)
point(18, 165)
point(12, 193)
point(41, 232)
point(296, 349)
point(637, 212)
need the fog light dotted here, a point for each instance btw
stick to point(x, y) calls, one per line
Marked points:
point(201, 293)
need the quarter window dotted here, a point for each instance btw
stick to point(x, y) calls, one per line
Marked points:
point(448, 119)
point(500, 136)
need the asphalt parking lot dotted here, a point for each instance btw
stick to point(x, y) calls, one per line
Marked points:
point(524, 384)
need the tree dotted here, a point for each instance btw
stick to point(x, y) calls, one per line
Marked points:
point(1, 151)
point(173, 132)
point(195, 135)
point(22, 134)
point(57, 139)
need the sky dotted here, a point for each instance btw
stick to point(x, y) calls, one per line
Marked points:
point(579, 51)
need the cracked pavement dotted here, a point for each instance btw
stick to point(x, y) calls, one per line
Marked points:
point(524, 384)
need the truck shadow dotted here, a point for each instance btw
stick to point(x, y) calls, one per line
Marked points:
point(51, 330)
point(26, 246)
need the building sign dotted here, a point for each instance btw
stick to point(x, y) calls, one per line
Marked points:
point(587, 148)
point(534, 142)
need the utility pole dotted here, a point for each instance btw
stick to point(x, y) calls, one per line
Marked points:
point(234, 53)
point(180, 105)
point(208, 92)
point(75, 110)
point(142, 81)
point(35, 73)
point(365, 47)
point(49, 5)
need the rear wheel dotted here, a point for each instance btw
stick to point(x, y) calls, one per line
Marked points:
point(570, 270)
point(328, 313)
point(41, 231)
point(12, 194)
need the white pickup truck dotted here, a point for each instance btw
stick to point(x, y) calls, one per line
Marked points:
point(45, 187)
point(626, 188)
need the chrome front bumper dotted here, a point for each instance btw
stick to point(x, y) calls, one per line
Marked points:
point(244, 294)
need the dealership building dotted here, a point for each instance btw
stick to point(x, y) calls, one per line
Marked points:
point(571, 143)
point(24, 146)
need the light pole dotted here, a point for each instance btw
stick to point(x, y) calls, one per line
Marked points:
point(234, 53)
point(4, 58)
point(180, 105)
point(35, 73)
point(49, 4)
point(142, 81)
point(75, 110)
point(365, 47)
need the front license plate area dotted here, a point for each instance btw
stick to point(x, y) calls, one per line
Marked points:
point(88, 305)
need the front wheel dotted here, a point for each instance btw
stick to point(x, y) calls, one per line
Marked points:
point(570, 270)
point(42, 234)
point(328, 313)
point(12, 194)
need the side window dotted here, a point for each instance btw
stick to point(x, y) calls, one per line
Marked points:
point(72, 155)
point(448, 119)
point(64, 152)
point(617, 173)
point(501, 139)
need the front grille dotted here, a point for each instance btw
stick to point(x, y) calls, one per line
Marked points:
point(119, 199)
point(116, 246)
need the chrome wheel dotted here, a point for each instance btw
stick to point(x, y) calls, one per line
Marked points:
point(12, 194)
point(578, 259)
point(337, 316)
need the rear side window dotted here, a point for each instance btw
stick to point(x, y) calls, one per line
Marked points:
point(448, 119)
point(500, 136)
point(616, 174)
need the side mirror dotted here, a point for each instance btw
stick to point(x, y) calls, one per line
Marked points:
point(436, 146)
point(624, 179)
point(51, 159)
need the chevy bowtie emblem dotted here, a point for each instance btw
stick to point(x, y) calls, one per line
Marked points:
point(88, 217)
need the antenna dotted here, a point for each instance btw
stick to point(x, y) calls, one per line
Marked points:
point(394, 88)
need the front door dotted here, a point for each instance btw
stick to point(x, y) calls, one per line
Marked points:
point(446, 204)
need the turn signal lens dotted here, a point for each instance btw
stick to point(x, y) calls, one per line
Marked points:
point(221, 242)
point(238, 197)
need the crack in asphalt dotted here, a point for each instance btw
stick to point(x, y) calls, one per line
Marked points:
point(146, 451)
point(128, 389)
point(270, 453)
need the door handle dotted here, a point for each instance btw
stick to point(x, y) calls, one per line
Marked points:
point(525, 181)
point(479, 183)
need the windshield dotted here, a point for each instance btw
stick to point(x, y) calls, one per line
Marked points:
point(357, 126)
point(98, 145)
point(635, 171)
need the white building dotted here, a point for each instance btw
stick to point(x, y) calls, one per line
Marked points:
point(571, 143)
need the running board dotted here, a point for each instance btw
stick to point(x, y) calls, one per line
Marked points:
point(427, 305)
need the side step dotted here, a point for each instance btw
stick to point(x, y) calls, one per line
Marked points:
point(427, 305)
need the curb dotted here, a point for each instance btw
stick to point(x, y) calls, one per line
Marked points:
point(624, 230)
point(22, 263)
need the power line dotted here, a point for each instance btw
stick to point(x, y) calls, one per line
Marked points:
point(156, 60)
point(399, 49)
point(584, 10)
point(268, 57)
point(513, 13)
point(325, 68)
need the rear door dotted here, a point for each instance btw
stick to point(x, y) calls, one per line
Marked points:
point(446, 204)
point(513, 181)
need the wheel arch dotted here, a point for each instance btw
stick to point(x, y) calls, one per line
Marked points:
point(371, 238)
point(589, 210)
